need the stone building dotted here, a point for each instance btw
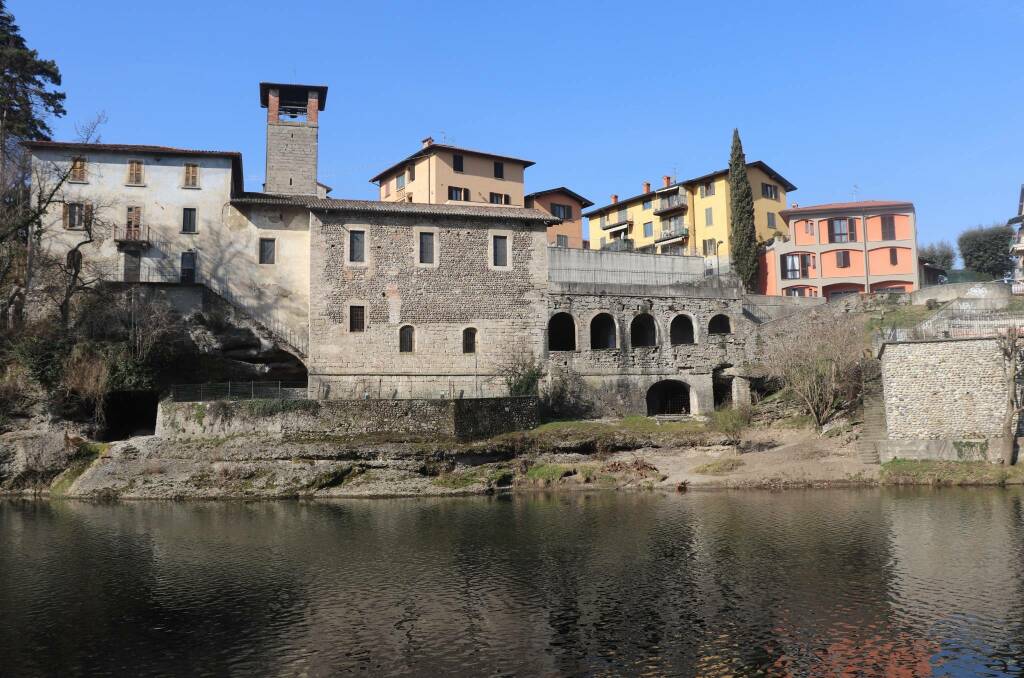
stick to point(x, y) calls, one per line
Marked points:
point(398, 298)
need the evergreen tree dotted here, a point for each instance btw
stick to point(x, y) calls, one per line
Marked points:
point(939, 253)
point(27, 94)
point(742, 234)
point(987, 250)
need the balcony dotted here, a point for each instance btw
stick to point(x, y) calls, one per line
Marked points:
point(613, 220)
point(619, 245)
point(1017, 247)
point(132, 237)
point(672, 232)
point(670, 204)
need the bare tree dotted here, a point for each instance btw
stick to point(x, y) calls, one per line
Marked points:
point(819, 357)
point(1010, 344)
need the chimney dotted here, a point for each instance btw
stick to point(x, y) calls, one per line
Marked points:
point(429, 141)
point(647, 187)
point(666, 181)
point(794, 206)
point(615, 198)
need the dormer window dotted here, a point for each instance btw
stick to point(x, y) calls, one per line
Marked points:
point(77, 173)
point(135, 173)
point(191, 175)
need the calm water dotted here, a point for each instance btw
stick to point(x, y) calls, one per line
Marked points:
point(803, 583)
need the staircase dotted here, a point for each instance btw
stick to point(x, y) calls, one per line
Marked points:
point(873, 429)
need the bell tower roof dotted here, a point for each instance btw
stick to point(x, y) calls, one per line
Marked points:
point(292, 94)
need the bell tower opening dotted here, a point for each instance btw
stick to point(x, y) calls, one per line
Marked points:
point(293, 115)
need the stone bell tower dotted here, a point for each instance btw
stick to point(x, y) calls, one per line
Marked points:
point(292, 136)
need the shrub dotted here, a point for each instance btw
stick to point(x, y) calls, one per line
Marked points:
point(731, 420)
point(270, 407)
point(522, 374)
point(43, 355)
point(565, 396)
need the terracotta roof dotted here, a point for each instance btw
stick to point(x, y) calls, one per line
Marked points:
point(396, 208)
point(761, 165)
point(848, 206)
point(433, 148)
point(561, 189)
point(237, 178)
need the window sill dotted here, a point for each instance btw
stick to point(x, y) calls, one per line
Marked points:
point(136, 185)
point(192, 188)
point(78, 181)
point(189, 232)
point(357, 264)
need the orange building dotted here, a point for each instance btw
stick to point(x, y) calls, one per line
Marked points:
point(566, 205)
point(844, 248)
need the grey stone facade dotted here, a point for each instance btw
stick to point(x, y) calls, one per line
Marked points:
point(947, 389)
point(291, 158)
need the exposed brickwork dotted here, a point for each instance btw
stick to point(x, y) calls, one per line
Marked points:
point(944, 390)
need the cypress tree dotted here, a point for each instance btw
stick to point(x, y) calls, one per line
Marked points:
point(742, 234)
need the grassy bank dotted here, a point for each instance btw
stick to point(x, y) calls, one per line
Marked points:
point(949, 473)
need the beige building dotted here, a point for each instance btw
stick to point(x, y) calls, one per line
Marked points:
point(566, 205)
point(440, 174)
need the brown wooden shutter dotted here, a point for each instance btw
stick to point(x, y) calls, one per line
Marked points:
point(66, 216)
point(853, 230)
point(87, 214)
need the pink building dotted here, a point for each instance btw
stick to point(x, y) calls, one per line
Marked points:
point(844, 248)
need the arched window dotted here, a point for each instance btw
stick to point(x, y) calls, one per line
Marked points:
point(602, 331)
point(469, 340)
point(642, 331)
point(681, 331)
point(406, 339)
point(720, 324)
point(561, 332)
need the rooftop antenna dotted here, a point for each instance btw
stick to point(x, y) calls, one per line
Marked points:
point(855, 192)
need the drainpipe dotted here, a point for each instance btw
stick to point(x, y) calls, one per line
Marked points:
point(867, 270)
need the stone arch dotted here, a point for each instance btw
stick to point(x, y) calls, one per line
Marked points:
point(720, 324)
point(681, 331)
point(669, 396)
point(406, 339)
point(603, 332)
point(562, 332)
point(643, 331)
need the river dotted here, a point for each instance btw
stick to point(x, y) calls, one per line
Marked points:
point(927, 582)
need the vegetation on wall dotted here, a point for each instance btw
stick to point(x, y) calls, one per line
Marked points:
point(742, 233)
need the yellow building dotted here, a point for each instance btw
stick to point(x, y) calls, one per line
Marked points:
point(689, 217)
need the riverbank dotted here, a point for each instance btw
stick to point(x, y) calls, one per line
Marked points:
point(635, 453)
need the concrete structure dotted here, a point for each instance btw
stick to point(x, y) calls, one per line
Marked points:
point(944, 399)
point(844, 248)
point(689, 217)
point(439, 174)
point(566, 205)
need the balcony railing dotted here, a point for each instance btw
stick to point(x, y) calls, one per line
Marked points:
point(670, 203)
point(132, 235)
point(673, 231)
point(619, 245)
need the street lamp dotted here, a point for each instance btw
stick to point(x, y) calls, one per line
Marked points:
point(718, 261)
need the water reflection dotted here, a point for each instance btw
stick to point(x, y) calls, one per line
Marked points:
point(729, 583)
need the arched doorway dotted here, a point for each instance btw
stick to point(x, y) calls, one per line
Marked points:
point(602, 331)
point(681, 331)
point(668, 397)
point(720, 324)
point(721, 386)
point(561, 332)
point(642, 331)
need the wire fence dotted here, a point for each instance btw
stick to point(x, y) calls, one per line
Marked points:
point(239, 390)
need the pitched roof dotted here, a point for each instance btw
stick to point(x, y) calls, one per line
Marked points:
point(847, 206)
point(288, 91)
point(237, 178)
point(759, 164)
point(561, 189)
point(433, 148)
point(396, 208)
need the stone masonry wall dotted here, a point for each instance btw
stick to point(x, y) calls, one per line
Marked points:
point(291, 158)
point(506, 307)
point(951, 389)
point(461, 419)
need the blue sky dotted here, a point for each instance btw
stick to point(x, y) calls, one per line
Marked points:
point(878, 100)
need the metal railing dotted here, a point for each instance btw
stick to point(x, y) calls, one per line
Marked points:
point(670, 203)
point(128, 233)
point(600, 276)
point(619, 245)
point(673, 231)
point(239, 390)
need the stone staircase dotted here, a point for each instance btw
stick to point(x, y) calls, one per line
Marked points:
point(873, 429)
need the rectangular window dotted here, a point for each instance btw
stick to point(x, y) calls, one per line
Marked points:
point(188, 220)
point(563, 212)
point(268, 250)
point(412, 172)
point(458, 193)
point(500, 199)
point(842, 259)
point(796, 266)
point(400, 181)
point(894, 256)
point(135, 172)
point(771, 220)
point(191, 175)
point(426, 243)
point(134, 218)
point(707, 190)
point(500, 245)
point(709, 216)
point(499, 170)
point(841, 230)
point(708, 246)
point(77, 215)
point(648, 229)
point(888, 227)
point(809, 227)
point(795, 292)
point(770, 191)
point(647, 204)
point(457, 163)
point(356, 318)
point(77, 170)
point(357, 246)
point(562, 240)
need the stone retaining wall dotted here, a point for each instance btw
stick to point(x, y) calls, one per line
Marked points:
point(421, 418)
